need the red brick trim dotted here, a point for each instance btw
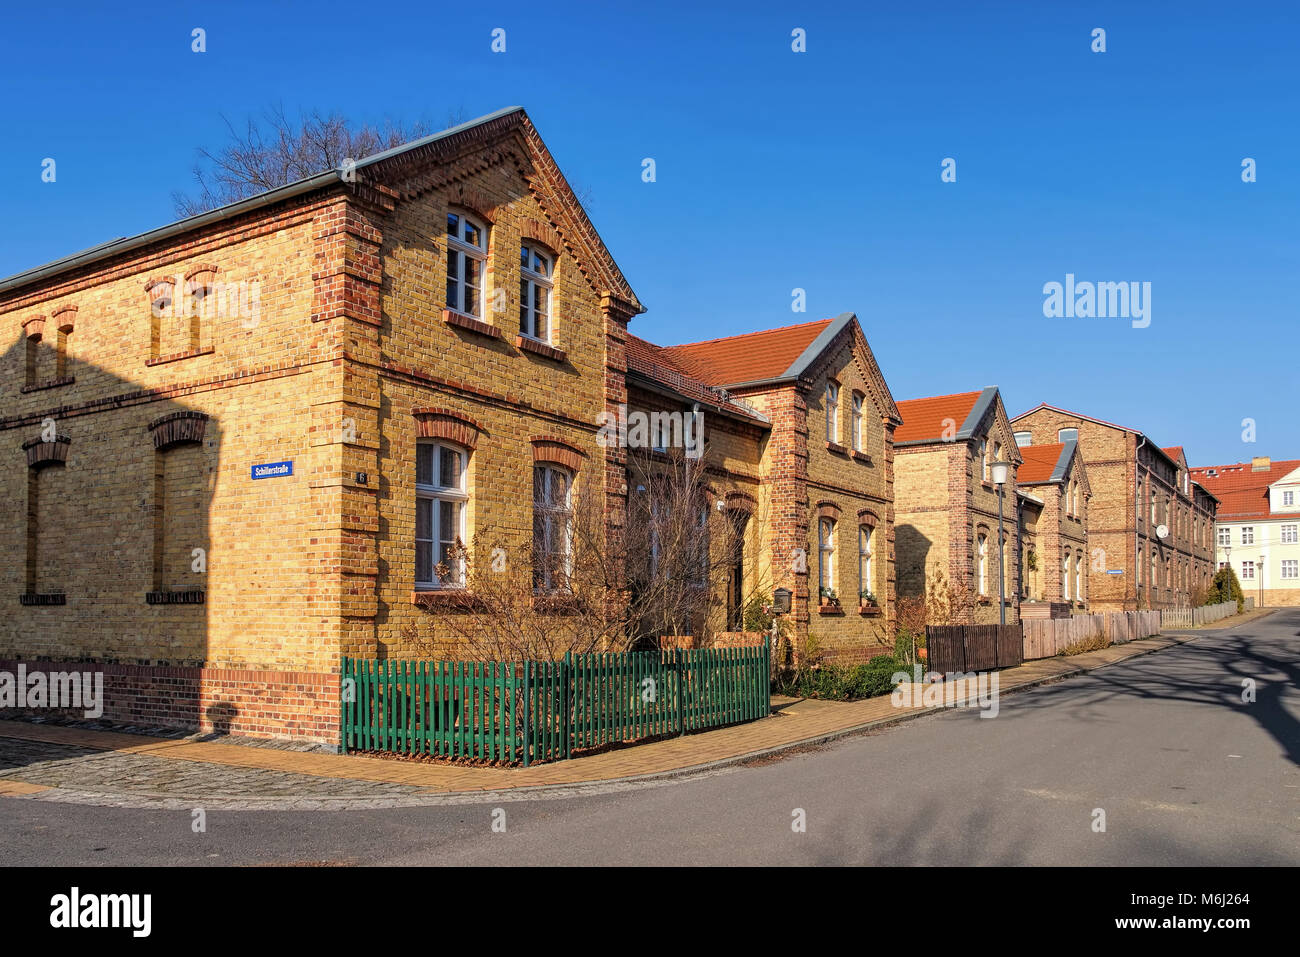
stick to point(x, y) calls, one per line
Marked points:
point(860, 456)
point(473, 201)
point(828, 510)
point(49, 384)
point(830, 610)
point(154, 287)
point(469, 323)
point(867, 517)
point(41, 453)
point(836, 449)
point(199, 269)
point(431, 423)
point(552, 448)
point(33, 327)
point(448, 600)
point(541, 348)
point(741, 502)
point(69, 312)
point(177, 356)
point(177, 428)
point(543, 233)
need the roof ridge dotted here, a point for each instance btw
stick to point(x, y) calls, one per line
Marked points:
point(755, 332)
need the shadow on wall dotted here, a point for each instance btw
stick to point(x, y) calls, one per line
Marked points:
point(911, 549)
point(105, 534)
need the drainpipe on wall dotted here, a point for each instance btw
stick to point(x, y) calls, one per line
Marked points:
point(1137, 523)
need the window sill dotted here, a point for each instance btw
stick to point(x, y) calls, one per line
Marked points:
point(557, 604)
point(50, 383)
point(446, 599)
point(830, 610)
point(836, 449)
point(43, 598)
point(471, 324)
point(537, 347)
point(862, 457)
point(178, 356)
point(188, 596)
point(869, 611)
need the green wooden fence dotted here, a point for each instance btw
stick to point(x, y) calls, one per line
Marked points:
point(529, 711)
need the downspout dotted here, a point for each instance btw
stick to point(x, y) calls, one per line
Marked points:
point(1137, 521)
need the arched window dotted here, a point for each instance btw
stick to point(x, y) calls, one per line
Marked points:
point(466, 261)
point(552, 528)
point(864, 562)
point(982, 564)
point(826, 558)
point(1065, 578)
point(1078, 576)
point(832, 412)
point(535, 282)
point(440, 499)
point(857, 438)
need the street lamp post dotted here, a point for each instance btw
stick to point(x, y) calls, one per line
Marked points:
point(999, 471)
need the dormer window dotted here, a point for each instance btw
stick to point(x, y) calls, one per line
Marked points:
point(466, 260)
point(535, 284)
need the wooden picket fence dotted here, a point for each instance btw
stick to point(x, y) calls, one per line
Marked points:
point(530, 711)
point(1191, 617)
point(973, 647)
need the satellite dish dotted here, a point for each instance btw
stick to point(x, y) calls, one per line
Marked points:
point(1162, 531)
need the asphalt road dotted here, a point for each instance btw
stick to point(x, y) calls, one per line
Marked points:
point(1184, 770)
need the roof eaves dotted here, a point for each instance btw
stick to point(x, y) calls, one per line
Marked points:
point(977, 412)
point(817, 346)
point(1063, 463)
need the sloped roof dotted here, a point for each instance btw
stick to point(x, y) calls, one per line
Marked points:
point(925, 420)
point(751, 357)
point(1241, 492)
point(432, 149)
point(1045, 463)
point(655, 364)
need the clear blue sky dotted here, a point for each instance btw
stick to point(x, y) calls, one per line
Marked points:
point(776, 170)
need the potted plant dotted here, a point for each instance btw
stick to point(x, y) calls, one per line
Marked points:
point(828, 598)
point(868, 604)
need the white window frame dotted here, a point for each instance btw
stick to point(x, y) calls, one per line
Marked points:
point(465, 252)
point(1223, 536)
point(1290, 534)
point(434, 536)
point(833, 412)
point(982, 564)
point(1078, 577)
point(865, 533)
point(1029, 439)
point(825, 557)
point(1060, 435)
point(1248, 534)
point(1248, 571)
point(1290, 568)
point(549, 514)
point(859, 400)
point(1288, 498)
point(1065, 578)
point(530, 280)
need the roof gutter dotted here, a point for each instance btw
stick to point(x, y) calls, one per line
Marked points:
point(117, 246)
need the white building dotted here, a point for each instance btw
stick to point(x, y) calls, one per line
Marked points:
point(1258, 526)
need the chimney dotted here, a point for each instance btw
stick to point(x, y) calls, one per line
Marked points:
point(1260, 463)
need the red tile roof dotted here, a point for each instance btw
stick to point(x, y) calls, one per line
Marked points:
point(1040, 463)
point(924, 419)
point(1175, 452)
point(745, 358)
point(1241, 492)
point(656, 363)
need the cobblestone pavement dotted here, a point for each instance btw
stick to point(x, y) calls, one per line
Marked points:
point(55, 761)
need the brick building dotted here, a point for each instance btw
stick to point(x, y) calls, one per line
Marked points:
point(1257, 528)
point(947, 505)
point(246, 442)
point(1054, 521)
point(1150, 527)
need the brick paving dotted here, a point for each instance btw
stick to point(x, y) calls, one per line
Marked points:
point(53, 762)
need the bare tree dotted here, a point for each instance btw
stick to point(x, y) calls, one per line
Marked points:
point(661, 574)
point(277, 150)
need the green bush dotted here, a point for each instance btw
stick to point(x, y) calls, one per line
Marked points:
point(839, 683)
point(1225, 587)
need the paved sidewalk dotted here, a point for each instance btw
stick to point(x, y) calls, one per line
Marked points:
point(63, 763)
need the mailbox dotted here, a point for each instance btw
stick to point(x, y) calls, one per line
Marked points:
point(781, 601)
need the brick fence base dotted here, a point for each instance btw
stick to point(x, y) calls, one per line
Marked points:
point(260, 704)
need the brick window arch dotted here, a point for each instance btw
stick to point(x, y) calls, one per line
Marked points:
point(33, 331)
point(448, 424)
point(202, 308)
point(42, 456)
point(179, 518)
point(558, 451)
point(64, 320)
